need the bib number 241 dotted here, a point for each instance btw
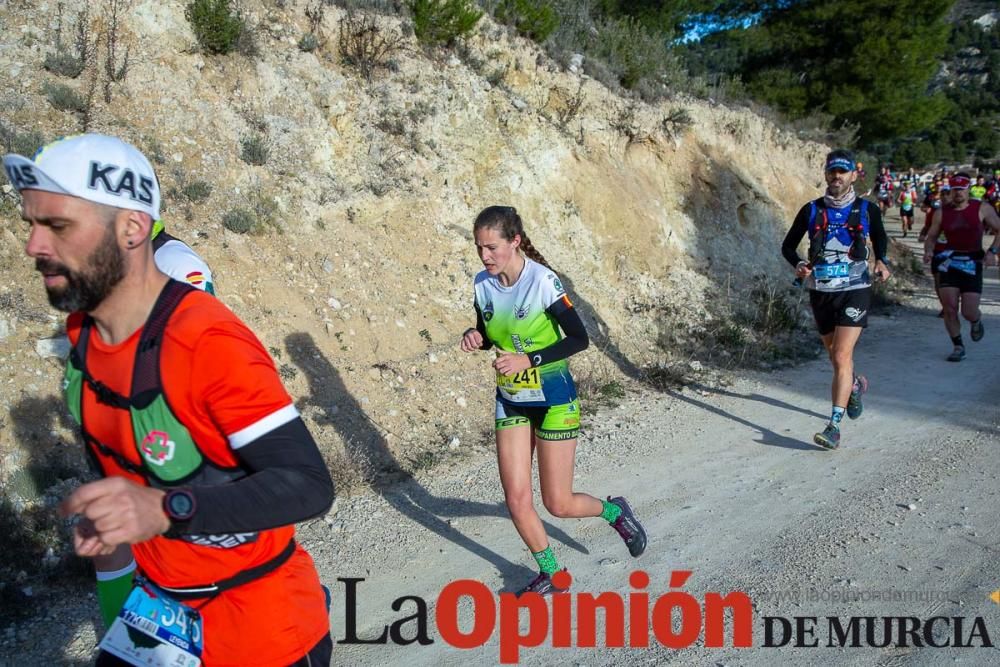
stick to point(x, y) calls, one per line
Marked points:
point(521, 387)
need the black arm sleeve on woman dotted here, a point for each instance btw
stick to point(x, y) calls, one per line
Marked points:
point(288, 482)
point(876, 232)
point(481, 328)
point(575, 336)
point(789, 247)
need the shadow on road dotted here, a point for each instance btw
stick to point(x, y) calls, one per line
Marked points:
point(760, 398)
point(365, 446)
point(768, 437)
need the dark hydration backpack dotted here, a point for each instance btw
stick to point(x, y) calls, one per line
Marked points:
point(856, 220)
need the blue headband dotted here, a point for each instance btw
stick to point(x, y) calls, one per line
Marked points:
point(840, 163)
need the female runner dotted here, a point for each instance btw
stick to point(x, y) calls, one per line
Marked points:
point(520, 308)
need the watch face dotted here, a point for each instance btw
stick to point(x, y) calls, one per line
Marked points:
point(181, 505)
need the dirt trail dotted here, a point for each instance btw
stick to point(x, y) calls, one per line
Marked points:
point(729, 486)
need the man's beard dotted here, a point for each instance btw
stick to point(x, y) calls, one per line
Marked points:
point(86, 289)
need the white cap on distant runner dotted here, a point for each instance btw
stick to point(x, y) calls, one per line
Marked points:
point(95, 167)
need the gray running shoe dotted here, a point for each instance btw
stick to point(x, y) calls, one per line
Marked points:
point(957, 354)
point(829, 438)
point(631, 531)
point(977, 330)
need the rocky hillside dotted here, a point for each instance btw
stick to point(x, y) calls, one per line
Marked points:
point(359, 276)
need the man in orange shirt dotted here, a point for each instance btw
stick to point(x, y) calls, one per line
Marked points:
point(206, 464)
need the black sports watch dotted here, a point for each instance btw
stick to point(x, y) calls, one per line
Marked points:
point(179, 505)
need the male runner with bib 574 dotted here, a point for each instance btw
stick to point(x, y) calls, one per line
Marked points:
point(836, 273)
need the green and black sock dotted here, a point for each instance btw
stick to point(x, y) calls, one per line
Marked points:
point(610, 511)
point(546, 560)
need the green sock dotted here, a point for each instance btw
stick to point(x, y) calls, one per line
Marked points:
point(113, 589)
point(546, 560)
point(611, 512)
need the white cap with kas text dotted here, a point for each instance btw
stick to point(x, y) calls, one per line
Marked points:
point(95, 167)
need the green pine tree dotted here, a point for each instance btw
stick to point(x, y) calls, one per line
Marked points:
point(866, 63)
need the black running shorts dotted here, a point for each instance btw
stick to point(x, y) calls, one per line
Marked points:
point(965, 282)
point(840, 309)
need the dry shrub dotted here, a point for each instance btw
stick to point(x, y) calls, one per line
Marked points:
point(366, 45)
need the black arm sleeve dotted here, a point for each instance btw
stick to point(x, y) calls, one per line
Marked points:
point(789, 247)
point(288, 482)
point(481, 328)
point(575, 339)
point(876, 232)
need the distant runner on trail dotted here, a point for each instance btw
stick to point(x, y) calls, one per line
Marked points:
point(939, 245)
point(521, 307)
point(978, 191)
point(932, 195)
point(907, 201)
point(883, 190)
point(993, 190)
point(959, 264)
point(836, 272)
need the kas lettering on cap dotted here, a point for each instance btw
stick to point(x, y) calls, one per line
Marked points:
point(95, 167)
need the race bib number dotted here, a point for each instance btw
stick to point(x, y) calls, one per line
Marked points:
point(831, 271)
point(153, 629)
point(523, 387)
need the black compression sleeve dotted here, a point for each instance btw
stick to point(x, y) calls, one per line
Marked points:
point(481, 328)
point(789, 247)
point(288, 482)
point(876, 232)
point(575, 339)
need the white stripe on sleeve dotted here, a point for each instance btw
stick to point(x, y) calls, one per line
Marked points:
point(263, 426)
point(114, 574)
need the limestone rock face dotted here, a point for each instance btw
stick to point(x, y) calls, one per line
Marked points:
point(363, 256)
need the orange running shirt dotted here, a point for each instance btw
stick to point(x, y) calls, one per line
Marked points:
point(222, 385)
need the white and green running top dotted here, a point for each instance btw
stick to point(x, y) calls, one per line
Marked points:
point(517, 319)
